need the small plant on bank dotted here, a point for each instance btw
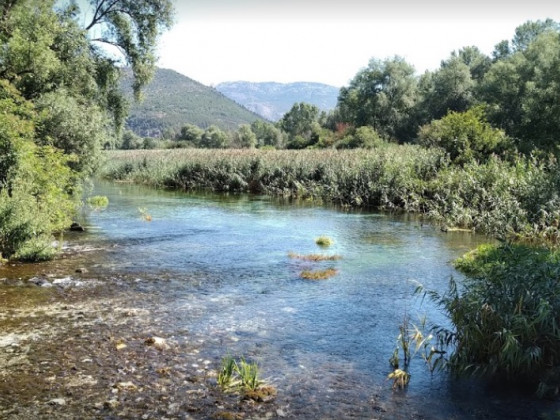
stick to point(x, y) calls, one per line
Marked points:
point(98, 201)
point(324, 241)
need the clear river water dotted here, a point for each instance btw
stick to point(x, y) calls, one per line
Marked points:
point(212, 275)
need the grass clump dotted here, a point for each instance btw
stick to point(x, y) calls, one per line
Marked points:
point(324, 241)
point(314, 257)
point(243, 376)
point(318, 274)
point(98, 201)
point(505, 316)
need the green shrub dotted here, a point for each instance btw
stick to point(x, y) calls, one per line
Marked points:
point(98, 201)
point(465, 136)
point(505, 316)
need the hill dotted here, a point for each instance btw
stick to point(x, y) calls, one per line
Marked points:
point(172, 100)
point(272, 100)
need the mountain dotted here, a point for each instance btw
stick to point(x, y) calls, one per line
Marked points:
point(172, 100)
point(272, 100)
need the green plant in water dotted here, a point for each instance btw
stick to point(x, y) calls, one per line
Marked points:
point(318, 274)
point(238, 375)
point(324, 241)
point(314, 257)
point(400, 378)
point(412, 337)
point(147, 217)
point(505, 316)
point(226, 373)
point(98, 201)
point(248, 375)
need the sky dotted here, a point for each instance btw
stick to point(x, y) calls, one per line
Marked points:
point(329, 41)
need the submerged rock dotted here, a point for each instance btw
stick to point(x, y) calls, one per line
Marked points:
point(39, 281)
point(157, 342)
point(76, 227)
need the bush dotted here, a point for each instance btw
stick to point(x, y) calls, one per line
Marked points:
point(506, 315)
point(363, 137)
point(466, 136)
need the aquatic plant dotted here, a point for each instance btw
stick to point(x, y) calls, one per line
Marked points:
point(226, 372)
point(505, 316)
point(248, 374)
point(400, 378)
point(318, 274)
point(413, 340)
point(98, 201)
point(314, 257)
point(238, 375)
point(324, 241)
point(147, 217)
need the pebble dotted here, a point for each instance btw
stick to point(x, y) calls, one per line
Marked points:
point(57, 401)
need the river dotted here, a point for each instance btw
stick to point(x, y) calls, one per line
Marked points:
point(212, 275)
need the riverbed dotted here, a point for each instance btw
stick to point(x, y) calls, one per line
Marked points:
point(217, 275)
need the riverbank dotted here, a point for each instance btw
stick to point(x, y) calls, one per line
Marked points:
point(498, 198)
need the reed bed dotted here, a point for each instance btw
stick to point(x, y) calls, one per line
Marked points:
point(501, 198)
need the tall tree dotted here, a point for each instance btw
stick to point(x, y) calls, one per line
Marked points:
point(382, 96)
point(523, 92)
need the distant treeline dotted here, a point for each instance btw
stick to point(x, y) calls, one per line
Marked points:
point(512, 96)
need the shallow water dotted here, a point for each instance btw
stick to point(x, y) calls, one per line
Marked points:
point(212, 275)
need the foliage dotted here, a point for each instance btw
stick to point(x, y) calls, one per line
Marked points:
point(214, 138)
point(324, 241)
point(465, 136)
point(505, 315)
point(268, 135)
point(238, 375)
point(244, 137)
point(522, 90)
point(318, 274)
point(381, 96)
point(363, 137)
point(59, 106)
point(98, 201)
point(301, 125)
point(38, 191)
point(518, 197)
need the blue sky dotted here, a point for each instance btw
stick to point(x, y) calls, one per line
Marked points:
point(329, 41)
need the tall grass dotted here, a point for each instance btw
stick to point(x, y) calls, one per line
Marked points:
point(504, 199)
point(505, 316)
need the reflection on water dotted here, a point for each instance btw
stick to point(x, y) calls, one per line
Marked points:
point(215, 270)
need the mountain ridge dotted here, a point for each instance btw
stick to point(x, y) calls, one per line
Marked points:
point(272, 100)
point(172, 100)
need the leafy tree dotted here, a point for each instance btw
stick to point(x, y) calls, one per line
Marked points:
point(214, 138)
point(301, 125)
point(191, 133)
point(131, 141)
point(523, 91)
point(60, 105)
point(244, 137)
point(448, 89)
point(267, 134)
point(382, 96)
point(466, 136)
